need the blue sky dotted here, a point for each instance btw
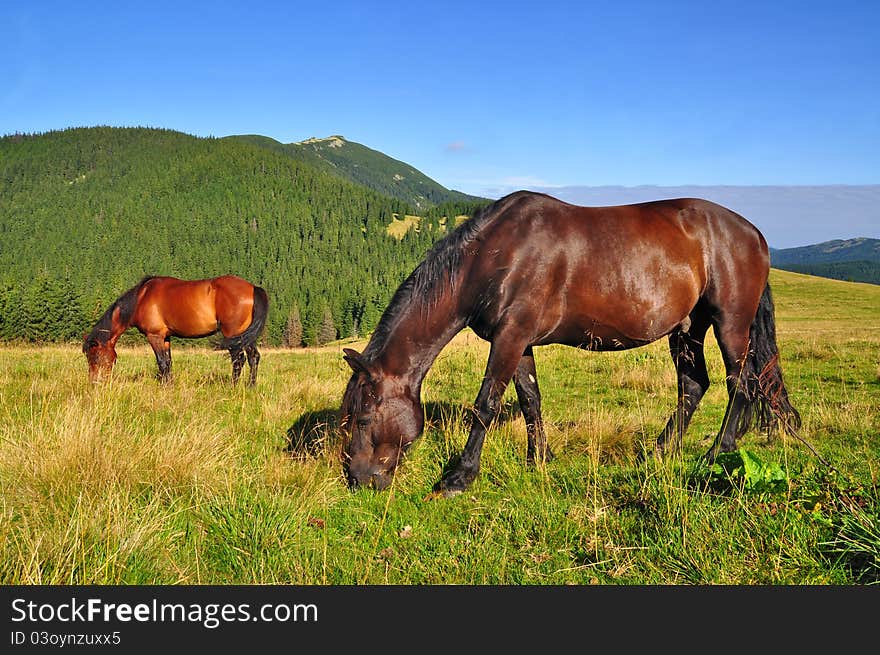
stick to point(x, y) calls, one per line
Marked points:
point(481, 96)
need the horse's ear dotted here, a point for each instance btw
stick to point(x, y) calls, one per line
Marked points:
point(357, 362)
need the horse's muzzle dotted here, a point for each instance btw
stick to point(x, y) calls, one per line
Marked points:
point(369, 477)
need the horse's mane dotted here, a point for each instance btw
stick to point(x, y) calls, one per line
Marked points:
point(436, 273)
point(126, 304)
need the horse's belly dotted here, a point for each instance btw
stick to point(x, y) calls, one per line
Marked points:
point(617, 330)
point(644, 310)
point(594, 336)
point(192, 324)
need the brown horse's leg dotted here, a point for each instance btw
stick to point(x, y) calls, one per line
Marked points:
point(734, 343)
point(162, 349)
point(525, 380)
point(237, 355)
point(686, 349)
point(253, 359)
point(504, 356)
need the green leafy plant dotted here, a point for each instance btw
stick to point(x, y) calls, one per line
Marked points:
point(746, 470)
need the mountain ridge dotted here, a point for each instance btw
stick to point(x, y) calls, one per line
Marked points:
point(854, 260)
point(835, 250)
point(365, 166)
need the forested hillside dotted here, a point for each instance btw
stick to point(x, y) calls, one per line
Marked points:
point(853, 260)
point(85, 213)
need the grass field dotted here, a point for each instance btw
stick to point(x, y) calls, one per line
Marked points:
point(132, 483)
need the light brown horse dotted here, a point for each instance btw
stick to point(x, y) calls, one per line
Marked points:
point(532, 270)
point(165, 307)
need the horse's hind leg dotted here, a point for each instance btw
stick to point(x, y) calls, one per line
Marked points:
point(686, 349)
point(733, 340)
point(525, 380)
point(236, 354)
point(253, 359)
point(162, 349)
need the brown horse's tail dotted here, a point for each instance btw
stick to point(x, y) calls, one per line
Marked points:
point(258, 322)
point(761, 378)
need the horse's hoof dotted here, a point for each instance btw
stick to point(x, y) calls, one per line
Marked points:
point(442, 493)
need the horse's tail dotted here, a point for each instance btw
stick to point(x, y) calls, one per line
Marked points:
point(761, 377)
point(258, 322)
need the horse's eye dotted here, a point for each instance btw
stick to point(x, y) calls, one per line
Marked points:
point(364, 422)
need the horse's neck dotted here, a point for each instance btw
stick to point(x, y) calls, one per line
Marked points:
point(411, 347)
point(117, 326)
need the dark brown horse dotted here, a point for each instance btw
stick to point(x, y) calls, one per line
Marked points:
point(531, 270)
point(165, 307)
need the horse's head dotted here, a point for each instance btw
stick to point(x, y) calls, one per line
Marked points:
point(101, 357)
point(380, 418)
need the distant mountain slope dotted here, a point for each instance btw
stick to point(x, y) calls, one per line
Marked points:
point(363, 165)
point(855, 260)
point(838, 250)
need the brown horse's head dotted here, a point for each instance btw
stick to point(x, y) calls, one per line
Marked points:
point(380, 418)
point(100, 356)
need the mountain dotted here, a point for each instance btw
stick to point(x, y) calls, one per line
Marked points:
point(856, 260)
point(86, 212)
point(838, 250)
point(362, 165)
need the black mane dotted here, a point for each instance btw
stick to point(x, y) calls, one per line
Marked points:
point(126, 304)
point(437, 272)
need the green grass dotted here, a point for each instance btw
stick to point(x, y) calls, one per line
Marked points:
point(193, 483)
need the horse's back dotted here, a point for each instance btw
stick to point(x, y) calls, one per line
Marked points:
point(695, 232)
point(694, 218)
point(622, 275)
point(194, 308)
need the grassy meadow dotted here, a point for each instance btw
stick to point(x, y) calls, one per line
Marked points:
point(198, 482)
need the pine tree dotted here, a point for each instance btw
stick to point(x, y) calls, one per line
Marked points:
point(327, 328)
point(292, 336)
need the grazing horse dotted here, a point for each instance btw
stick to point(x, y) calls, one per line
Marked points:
point(165, 307)
point(531, 270)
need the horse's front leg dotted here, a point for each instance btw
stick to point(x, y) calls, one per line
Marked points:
point(525, 380)
point(504, 356)
point(162, 349)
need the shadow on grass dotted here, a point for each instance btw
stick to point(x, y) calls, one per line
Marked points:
point(312, 432)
